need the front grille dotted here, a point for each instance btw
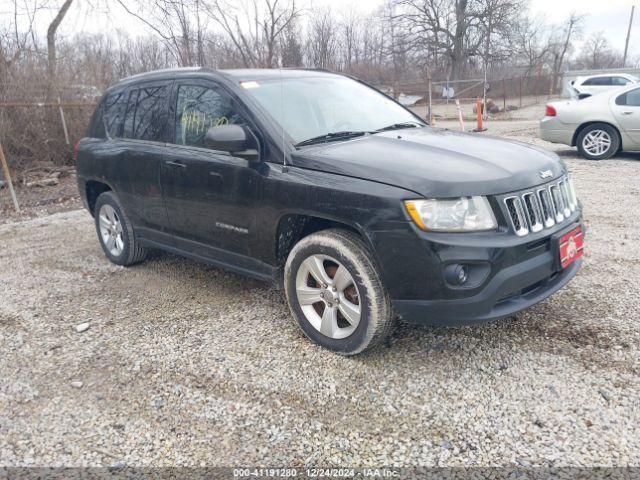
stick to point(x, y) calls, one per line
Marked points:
point(534, 210)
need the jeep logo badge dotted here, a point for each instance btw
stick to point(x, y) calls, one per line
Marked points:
point(546, 174)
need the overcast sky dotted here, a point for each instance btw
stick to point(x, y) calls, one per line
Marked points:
point(609, 16)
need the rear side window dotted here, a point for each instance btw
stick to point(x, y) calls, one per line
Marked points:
point(200, 108)
point(146, 116)
point(598, 81)
point(630, 99)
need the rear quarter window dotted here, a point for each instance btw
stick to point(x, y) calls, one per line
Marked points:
point(108, 116)
point(630, 99)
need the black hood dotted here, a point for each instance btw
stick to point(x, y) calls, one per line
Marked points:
point(435, 162)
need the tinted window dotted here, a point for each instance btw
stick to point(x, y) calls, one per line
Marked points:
point(200, 108)
point(146, 116)
point(113, 110)
point(620, 81)
point(631, 98)
point(598, 81)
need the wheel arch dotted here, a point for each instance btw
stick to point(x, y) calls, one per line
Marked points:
point(582, 126)
point(293, 227)
point(93, 189)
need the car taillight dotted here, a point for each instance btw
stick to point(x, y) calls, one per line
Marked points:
point(551, 111)
point(75, 151)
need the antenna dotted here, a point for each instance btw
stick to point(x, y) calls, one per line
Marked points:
point(284, 153)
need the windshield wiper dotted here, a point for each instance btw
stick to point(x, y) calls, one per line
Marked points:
point(327, 137)
point(398, 126)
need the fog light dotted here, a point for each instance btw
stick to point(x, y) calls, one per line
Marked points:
point(462, 274)
point(456, 274)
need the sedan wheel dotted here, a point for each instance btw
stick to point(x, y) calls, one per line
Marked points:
point(596, 142)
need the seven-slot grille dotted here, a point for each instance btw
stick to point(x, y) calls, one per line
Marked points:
point(541, 208)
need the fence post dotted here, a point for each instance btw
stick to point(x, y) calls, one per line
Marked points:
point(520, 91)
point(504, 95)
point(64, 122)
point(7, 176)
point(430, 108)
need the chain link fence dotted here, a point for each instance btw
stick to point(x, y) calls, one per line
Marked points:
point(40, 124)
point(440, 99)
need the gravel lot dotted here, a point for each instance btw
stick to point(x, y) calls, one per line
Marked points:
point(185, 364)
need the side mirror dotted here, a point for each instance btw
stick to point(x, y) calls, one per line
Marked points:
point(233, 139)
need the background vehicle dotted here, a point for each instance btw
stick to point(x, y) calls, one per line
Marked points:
point(600, 126)
point(321, 183)
point(587, 86)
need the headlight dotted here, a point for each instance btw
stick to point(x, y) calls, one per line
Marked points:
point(452, 214)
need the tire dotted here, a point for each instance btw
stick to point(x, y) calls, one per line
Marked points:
point(125, 249)
point(362, 292)
point(598, 141)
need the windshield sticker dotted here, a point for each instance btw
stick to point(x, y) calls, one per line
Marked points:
point(251, 84)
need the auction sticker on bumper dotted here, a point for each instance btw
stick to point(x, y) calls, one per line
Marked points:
point(570, 246)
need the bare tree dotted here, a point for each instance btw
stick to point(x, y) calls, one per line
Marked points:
point(255, 27)
point(561, 43)
point(597, 53)
point(459, 30)
point(532, 43)
point(322, 39)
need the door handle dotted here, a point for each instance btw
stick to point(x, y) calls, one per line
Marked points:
point(627, 113)
point(175, 163)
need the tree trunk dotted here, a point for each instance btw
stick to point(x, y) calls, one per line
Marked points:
point(458, 53)
point(51, 41)
point(57, 149)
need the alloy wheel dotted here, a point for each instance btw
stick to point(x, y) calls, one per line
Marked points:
point(111, 230)
point(596, 142)
point(328, 296)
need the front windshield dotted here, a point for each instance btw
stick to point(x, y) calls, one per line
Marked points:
point(316, 106)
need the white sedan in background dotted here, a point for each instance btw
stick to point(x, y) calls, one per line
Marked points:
point(600, 126)
point(586, 86)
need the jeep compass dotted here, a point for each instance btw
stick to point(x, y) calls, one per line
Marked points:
point(320, 183)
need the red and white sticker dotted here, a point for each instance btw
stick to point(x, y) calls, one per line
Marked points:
point(571, 246)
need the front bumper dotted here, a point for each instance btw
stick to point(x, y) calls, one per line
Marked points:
point(511, 290)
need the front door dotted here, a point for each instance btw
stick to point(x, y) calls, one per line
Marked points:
point(208, 194)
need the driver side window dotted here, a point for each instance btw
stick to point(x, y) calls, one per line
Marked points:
point(199, 108)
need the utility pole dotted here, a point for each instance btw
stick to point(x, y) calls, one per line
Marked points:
point(626, 44)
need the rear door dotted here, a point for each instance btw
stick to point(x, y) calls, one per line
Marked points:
point(208, 194)
point(144, 134)
point(626, 109)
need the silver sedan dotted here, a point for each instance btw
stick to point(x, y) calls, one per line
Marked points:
point(600, 126)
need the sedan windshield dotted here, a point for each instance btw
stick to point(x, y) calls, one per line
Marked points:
point(318, 108)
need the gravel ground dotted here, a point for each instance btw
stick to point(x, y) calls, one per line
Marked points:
point(185, 364)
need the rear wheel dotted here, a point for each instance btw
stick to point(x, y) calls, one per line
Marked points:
point(598, 141)
point(115, 232)
point(335, 292)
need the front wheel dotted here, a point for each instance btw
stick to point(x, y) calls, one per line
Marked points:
point(598, 141)
point(334, 291)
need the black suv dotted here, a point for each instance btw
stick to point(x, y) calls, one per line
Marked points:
point(316, 180)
